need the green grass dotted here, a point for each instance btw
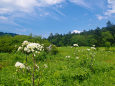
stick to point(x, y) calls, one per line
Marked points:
point(93, 68)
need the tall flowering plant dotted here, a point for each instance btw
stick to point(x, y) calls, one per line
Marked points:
point(31, 48)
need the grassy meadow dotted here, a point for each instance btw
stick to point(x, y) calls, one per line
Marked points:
point(71, 66)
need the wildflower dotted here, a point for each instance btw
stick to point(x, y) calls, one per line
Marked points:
point(31, 47)
point(77, 57)
point(93, 48)
point(25, 43)
point(20, 65)
point(45, 65)
point(37, 66)
point(25, 49)
point(28, 67)
point(67, 56)
point(88, 49)
point(75, 45)
point(20, 48)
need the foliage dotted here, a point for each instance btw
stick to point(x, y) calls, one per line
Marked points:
point(11, 43)
point(96, 37)
point(57, 70)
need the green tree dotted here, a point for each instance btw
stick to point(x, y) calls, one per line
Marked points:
point(106, 37)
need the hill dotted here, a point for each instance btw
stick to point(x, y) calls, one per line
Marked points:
point(11, 34)
point(100, 37)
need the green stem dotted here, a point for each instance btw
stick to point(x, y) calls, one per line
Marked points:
point(33, 78)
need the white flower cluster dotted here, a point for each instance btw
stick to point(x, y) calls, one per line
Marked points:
point(19, 65)
point(93, 47)
point(77, 57)
point(88, 49)
point(67, 56)
point(75, 45)
point(45, 66)
point(29, 47)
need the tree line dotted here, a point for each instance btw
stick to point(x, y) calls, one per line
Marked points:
point(104, 36)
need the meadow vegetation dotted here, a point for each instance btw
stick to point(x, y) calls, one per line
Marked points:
point(73, 59)
point(71, 66)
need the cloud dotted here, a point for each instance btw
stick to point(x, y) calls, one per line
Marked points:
point(76, 31)
point(111, 8)
point(10, 6)
point(80, 2)
point(99, 17)
point(49, 2)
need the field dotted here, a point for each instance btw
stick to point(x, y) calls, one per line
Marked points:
point(71, 66)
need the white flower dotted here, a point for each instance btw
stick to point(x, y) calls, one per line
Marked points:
point(20, 48)
point(25, 43)
point(93, 48)
point(67, 56)
point(77, 57)
point(35, 47)
point(88, 49)
point(37, 66)
point(25, 49)
point(75, 45)
point(31, 47)
point(45, 65)
point(19, 65)
point(28, 68)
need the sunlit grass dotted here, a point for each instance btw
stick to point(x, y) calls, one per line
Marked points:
point(62, 71)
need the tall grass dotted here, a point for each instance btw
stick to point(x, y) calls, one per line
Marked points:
point(61, 71)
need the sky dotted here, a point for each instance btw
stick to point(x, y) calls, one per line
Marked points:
point(42, 17)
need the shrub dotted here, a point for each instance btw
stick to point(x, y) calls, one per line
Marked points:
point(107, 45)
point(54, 50)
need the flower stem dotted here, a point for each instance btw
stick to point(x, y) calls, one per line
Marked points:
point(33, 78)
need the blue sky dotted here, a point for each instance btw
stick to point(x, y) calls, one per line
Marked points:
point(41, 17)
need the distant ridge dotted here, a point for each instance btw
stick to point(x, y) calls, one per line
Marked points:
point(12, 34)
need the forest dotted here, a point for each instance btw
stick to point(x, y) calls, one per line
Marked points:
point(104, 36)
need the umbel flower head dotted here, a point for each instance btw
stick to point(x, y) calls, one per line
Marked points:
point(25, 43)
point(29, 47)
point(75, 45)
point(19, 65)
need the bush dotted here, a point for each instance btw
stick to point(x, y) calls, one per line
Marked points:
point(54, 50)
point(107, 45)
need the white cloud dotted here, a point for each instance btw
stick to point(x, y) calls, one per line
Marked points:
point(49, 2)
point(80, 2)
point(109, 12)
point(10, 6)
point(101, 17)
point(13, 7)
point(76, 31)
point(111, 6)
